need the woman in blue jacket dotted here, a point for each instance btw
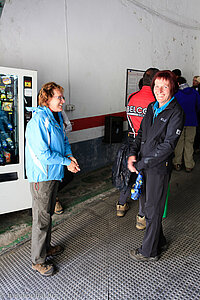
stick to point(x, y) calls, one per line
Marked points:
point(47, 152)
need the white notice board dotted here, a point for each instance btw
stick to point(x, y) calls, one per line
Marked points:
point(132, 80)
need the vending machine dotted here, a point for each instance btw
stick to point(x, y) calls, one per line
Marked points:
point(18, 90)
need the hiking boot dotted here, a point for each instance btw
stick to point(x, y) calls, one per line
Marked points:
point(140, 222)
point(177, 167)
point(44, 269)
point(58, 210)
point(136, 255)
point(122, 209)
point(55, 250)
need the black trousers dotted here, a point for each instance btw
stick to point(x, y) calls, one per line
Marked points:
point(153, 204)
point(124, 194)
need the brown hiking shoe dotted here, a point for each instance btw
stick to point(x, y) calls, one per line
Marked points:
point(44, 269)
point(55, 250)
point(58, 210)
point(122, 209)
point(140, 223)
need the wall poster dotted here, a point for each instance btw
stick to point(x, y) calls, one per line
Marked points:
point(132, 80)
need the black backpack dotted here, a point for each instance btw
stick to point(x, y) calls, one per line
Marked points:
point(120, 172)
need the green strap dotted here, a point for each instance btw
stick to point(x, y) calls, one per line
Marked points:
point(166, 203)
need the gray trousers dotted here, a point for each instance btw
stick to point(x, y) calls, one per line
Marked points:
point(43, 204)
point(185, 147)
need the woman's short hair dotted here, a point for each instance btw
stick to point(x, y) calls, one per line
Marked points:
point(169, 76)
point(47, 91)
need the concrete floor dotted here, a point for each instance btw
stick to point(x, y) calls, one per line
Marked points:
point(96, 263)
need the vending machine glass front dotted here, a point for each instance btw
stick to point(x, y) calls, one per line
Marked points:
point(9, 131)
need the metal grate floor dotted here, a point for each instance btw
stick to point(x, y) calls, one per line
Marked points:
point(96, 264)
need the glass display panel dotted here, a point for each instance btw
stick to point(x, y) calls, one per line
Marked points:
point(9, 131)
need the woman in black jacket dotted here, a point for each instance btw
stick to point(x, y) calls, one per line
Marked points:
point(151, 154)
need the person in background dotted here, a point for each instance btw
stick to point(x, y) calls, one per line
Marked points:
point(68, 176)
point(196, 83)
point(151, 154)
point(47, 152)
point(196, 87)
point(189, 99)
point(177, 73)
point(67, 123)
point(136, 109)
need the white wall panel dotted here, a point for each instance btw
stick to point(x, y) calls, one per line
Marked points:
point(87, 45)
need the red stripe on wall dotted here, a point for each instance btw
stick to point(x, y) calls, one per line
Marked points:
point(91, 122)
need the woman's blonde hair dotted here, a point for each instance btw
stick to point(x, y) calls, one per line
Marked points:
point(47, 91)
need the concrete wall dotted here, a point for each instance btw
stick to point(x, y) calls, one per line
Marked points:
point(86, 46)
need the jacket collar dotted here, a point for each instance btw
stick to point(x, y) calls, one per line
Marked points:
point(171, 105)
point(46, 110)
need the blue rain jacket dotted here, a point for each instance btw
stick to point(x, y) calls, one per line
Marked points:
point(189, 99)
point(46, 146)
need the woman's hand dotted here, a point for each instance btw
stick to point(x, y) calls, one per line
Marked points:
point(131, 161)
point(73, 167)
point(73, 159)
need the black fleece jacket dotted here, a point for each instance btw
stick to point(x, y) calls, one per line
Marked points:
point(156, 140)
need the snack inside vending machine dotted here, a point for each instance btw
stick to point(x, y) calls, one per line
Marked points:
point(18, 90)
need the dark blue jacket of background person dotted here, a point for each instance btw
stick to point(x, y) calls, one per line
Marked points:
point(189, 99)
